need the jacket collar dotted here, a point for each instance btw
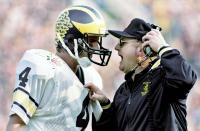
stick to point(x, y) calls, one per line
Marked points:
point(155, 63)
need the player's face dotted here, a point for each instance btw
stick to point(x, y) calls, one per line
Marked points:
point(127, 50)
point(93, 43)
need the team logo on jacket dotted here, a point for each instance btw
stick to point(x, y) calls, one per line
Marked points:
point(146, 88)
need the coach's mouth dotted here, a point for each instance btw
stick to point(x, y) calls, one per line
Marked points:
point(120, 56)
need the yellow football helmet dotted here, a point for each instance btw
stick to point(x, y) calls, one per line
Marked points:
point(77, 23)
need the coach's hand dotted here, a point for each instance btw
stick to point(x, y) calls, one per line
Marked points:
point(96, 94)
point(154, 39)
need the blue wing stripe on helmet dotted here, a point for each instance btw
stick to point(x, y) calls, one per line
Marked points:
point(91, 9)
point(75, 16)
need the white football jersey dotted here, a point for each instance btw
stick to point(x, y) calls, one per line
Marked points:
point(48, 96)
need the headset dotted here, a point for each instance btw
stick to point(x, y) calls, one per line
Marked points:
point(149, 52)
point(147, 49)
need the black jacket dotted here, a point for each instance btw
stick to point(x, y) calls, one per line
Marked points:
point(155, 100)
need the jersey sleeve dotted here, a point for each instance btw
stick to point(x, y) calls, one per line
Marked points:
point(179, 75)
point(28, 90)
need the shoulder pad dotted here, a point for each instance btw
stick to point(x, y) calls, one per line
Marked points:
point(38, 61)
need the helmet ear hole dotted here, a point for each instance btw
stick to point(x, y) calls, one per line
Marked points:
point(80, 41)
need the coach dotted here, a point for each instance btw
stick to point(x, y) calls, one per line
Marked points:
point(157, 82)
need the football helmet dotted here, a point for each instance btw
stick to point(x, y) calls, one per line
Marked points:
point(77, 23)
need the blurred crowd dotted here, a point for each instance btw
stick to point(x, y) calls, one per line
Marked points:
point(26, 24)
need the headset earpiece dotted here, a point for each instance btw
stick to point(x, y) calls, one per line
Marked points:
point(149, 52)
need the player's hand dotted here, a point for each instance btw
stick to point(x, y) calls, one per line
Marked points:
point(96, 94)
point(154, 39)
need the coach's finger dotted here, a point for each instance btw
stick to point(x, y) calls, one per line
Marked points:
point(145, 44)
point(146, 37)
point(91, 86)
point(152, 32)
point(155, 31)
point(97, 97)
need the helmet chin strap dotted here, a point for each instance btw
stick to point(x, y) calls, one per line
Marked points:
point(83, 61)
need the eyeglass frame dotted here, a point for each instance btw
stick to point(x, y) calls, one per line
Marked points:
point(122, 42)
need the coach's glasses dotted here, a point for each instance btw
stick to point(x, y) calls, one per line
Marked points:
point(122, 42)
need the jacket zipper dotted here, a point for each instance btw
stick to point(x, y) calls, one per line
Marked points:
point(130, 96)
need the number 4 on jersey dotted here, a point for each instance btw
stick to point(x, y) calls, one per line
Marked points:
point(23, 76)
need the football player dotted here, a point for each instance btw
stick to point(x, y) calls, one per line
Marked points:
point(49, 93)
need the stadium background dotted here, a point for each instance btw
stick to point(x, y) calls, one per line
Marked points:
point(27, 24)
